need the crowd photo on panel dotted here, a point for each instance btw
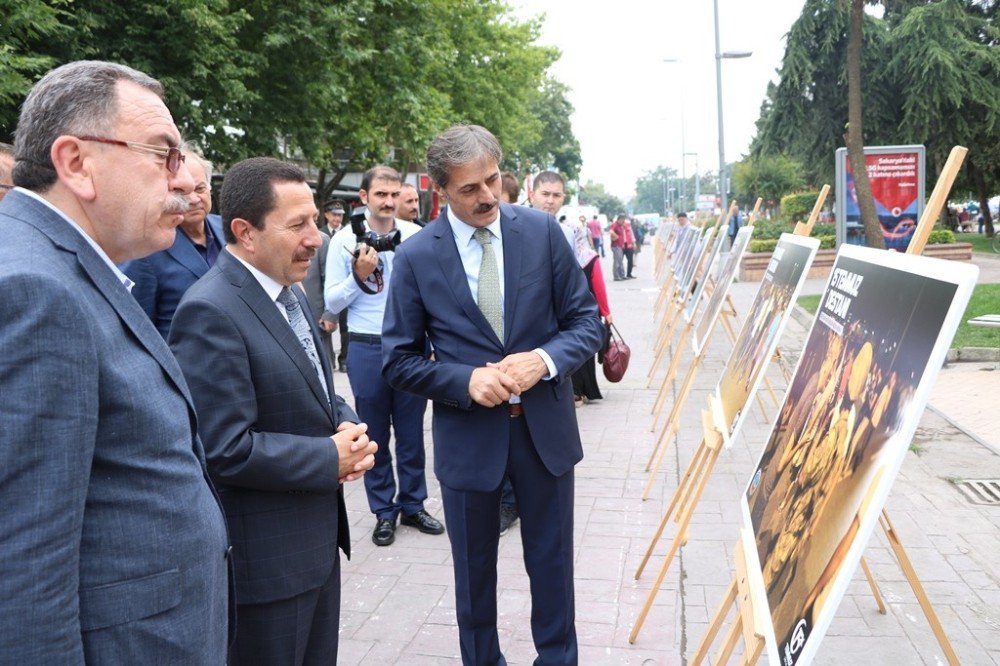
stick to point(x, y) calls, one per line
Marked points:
point(175, 460)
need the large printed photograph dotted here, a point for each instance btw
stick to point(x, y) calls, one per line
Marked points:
point(714, 306)
point(699, 287)
point(883, 327)
point(755, 344)
point(693, 267)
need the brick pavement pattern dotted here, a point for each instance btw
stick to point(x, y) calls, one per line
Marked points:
point(398, 602)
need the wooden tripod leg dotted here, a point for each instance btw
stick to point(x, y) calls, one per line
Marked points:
point(876, 592)
point(682, 490)
point(713, 628)
point(675, 364)
point(918, 588)
point(672, 424)
point(675, 544)
point(729, 643)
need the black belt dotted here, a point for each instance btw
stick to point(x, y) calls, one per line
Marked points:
point(514, 409)
point(365, 337)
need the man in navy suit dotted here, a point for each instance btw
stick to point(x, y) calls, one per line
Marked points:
point(498, 291)
point(280, 441)
point(162, 278)
point(112, 545)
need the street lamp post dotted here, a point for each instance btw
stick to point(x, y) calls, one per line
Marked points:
point(697, 177)
point(719, 55)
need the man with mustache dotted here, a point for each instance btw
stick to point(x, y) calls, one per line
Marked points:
point(506, 306)
point(279, 440)
point(359, 284)
point(162, 278)
point(113, 548)
point(409, 205)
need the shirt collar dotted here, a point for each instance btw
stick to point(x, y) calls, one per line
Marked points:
point(271, 287)
point(124, 279)
point(463, 231)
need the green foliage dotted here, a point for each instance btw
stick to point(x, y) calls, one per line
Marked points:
point(652, 190)
point(985, 300)
point(979, 242)
point(941, 237)
point(930, 74)
point(594, 194)
point(770, 229)
point(797, 207)
point(769, 177)
point(336, 85)
point(762, 245)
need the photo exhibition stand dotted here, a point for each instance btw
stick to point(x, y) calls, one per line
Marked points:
point(747, 621)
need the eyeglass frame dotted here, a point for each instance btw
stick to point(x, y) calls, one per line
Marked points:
point(168, 153)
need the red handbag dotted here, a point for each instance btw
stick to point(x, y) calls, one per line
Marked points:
point(616, 357)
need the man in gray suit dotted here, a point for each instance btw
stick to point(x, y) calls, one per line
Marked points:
point(113, 548)
point(280, 441)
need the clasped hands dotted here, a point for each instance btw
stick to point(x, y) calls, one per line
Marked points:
point(512, 375)
point(355, 450)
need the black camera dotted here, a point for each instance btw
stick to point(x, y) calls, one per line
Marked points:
point(378, 242)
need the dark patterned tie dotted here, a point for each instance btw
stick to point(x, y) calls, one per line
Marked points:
point(297, 320)
point(489, 283)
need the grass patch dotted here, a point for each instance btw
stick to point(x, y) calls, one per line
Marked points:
point(985, 300)
point(809, 303)
point(980, 243)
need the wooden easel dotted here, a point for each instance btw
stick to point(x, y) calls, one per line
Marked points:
point(701, 271)
point(917, 243)
point(676, 305)
point(747, 622)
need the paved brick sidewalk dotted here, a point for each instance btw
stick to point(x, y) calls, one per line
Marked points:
point(398, 602)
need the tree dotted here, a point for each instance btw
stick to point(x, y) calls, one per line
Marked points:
point(26, 27)
point(769, 177)
point(594, 194)
point(855, 135)
point(652, 190)
point(948, 54)
point(556, 147)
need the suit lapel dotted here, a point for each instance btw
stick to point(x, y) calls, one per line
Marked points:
point(513, 242)
point(184, 252)
point(454, 274)
point(105, 281)
point(266, 311)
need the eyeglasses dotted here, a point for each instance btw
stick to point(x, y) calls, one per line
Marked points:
point(171, 154)
point(4, 186)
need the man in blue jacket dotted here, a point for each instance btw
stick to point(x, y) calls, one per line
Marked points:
point(499, 293)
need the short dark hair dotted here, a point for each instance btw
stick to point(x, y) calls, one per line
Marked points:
point(510, 186)
point(682, 214)
point(379, 172)
point(248, 190)
point(76, 98)
point(548, 177)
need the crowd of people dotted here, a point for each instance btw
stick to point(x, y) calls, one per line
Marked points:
point(174, 460)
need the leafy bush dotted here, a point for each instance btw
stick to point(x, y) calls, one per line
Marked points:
point(770, 229)
point(796, 207)
point(821, 230)
point(763, 245)
point(941, 237)
point(827, 242)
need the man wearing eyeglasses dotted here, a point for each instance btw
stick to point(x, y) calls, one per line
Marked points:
point(113, 546)
point(360, 284)
point(6, 166)
point(162, 278)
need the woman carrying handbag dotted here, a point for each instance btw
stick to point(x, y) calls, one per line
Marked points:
point(585, 386)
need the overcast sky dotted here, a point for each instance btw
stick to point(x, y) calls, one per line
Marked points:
point(628, 101)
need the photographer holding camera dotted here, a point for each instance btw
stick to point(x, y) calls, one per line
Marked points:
point(358, 271)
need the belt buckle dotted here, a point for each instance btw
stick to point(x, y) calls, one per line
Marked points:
point(515, 410)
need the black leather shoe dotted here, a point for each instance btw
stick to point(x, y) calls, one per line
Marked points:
point(424, 522)
point(385, 532)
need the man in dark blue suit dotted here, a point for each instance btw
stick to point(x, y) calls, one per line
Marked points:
point(280, 441)
point(162, 278)
point(505, 305)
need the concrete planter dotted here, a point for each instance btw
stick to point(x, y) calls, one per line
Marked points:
point(753, 264)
